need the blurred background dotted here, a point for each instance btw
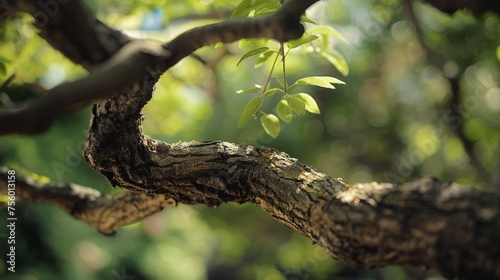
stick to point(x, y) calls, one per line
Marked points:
point(422, 97)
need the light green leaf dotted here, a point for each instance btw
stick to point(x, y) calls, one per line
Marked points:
point(311, 105)
point(306, 38)
point(260, 7)
point(297, 104)
point(337, 60)
point(263, 57)
point(271, 125)
point(305, 19)
point(218, 45)
point(328, 31)
point(250, 90)
point(272, 91)
point(252, 108)
point(252, 53)
point(284, 111)
point(243, 42)
point(319, 81)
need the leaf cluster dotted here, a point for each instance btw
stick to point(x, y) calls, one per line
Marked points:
point(315, 41)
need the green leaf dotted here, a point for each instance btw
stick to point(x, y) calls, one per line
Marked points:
point(250, 90)
point(297, 104)
point(263, 57)
point(218, 45)
point(306, 38)
point(305, 19)
point(337, 60)
point(271, 125)
point(284, 111)
point(252, 108)
point(243, 42)
point(261, 7)
point(252, 53)
point(319, 81)
point(272, 91)
point(328, 31)
point(311, 105)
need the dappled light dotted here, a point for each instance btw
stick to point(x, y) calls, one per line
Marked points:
point(389, 92)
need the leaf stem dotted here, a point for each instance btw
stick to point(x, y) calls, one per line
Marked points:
point(272, 70)
point(282, 52)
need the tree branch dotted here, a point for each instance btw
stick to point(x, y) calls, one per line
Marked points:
point(128, 66)
point(424, 222)
point(133, 64)
point(105, 213)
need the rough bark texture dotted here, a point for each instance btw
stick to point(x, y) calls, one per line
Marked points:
point(427, 223)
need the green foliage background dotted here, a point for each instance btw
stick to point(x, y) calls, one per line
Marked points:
point(392, 121)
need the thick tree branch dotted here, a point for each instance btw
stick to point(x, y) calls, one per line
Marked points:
point(105, 213)
point(424, 222)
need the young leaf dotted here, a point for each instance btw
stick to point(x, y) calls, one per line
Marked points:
point(337, 60)
point(311, 105)
point(260, 7)
point(250, 90)
point(252, 107)
point(328, 31)
point(263, 57)
point(306, 38)
point(252, 53)
point(245, 7)
point(272, 91)
point(283, 110)
point(305, 19)
point(318, 81)
point(271, 125)
point(297, 104)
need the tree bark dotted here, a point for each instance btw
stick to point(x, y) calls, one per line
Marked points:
point(425, 222)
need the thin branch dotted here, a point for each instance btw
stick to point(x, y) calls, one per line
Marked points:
point(105, 213)
point(128, 66)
